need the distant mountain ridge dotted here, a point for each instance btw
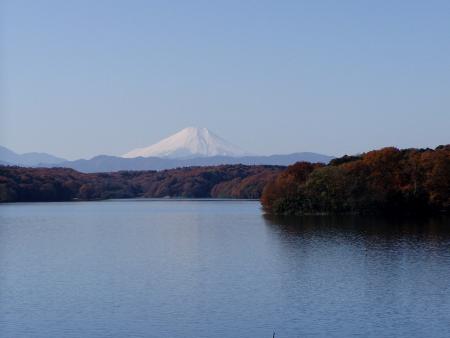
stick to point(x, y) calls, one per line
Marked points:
point(187, 148)
point(189, 143)
point(104, 163)
point(9, 157)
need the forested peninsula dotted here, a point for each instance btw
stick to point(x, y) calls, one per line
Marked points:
point(385, 181)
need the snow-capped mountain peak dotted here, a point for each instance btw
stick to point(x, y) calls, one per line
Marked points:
point(187, 143)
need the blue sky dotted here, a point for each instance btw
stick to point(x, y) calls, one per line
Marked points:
point(80, 78)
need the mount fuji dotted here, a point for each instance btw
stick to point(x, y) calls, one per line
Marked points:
point(189, 147)
point(189, 143)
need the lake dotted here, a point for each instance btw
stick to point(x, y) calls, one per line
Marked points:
point(181, 268)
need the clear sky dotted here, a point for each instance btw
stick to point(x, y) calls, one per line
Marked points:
point(81, 78)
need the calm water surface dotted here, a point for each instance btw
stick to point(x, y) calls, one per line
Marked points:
point(145, 268)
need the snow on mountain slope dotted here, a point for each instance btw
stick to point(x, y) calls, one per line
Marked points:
point(187, 143)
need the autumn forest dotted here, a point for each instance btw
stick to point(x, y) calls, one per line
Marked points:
point(384, 181)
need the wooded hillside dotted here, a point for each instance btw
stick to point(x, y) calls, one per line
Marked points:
point(62, 184)
point(381, 181)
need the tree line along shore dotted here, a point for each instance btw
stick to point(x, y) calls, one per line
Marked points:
point(18, 184)
point(384, 181)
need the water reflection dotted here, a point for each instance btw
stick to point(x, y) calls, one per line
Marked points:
point(371, 229)
point(218, 270)
point(380, 276)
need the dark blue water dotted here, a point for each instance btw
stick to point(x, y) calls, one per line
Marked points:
point(218, 269)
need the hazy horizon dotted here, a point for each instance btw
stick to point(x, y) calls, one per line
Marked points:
point(83, 78)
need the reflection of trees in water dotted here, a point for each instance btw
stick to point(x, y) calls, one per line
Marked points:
point(369, 228)
point(380, 257)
